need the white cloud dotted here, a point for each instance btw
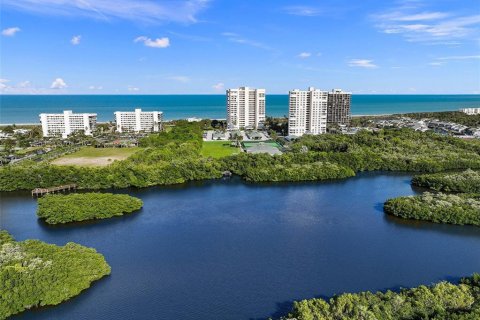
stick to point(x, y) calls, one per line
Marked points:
point(3, 83)
point(157, 43)
point(304, 11)
point(10, 32)
point(424, 16)
point(305, 55)
point(150, 11)
point(183, 79)
point(428, 27)
point(234, 37)
point(76, 40)
point(25, 84)
point(133, 89)
point(362, 63)
point(58, 83)
point(443, 60)
point(95, 87)
point(24, 87)
point(219, 86)
point(460, 57)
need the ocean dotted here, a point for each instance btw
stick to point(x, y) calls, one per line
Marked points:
point(25, 108)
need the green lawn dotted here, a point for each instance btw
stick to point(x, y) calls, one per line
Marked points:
point(91, 152)
point(218, 149)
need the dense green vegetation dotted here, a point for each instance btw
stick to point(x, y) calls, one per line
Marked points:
point(175, 157)
point(59, 208)
point(444, 208)
point(467, 181)
point(442, 301)
point(182, 132)
point(34, 273)
point(449, 116)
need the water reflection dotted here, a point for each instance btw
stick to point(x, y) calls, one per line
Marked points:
point(233, 250)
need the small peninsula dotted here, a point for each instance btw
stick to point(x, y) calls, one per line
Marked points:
point(443, 300)
point(34, 273)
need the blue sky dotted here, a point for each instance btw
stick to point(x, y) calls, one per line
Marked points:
point(205, 46)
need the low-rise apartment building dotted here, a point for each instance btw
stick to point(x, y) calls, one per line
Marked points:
point(54, 124)
point(470, 111)
point(138, 121)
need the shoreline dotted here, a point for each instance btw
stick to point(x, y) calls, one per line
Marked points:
point(223, 119)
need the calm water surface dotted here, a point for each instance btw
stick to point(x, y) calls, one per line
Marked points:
point(25, 108)
point(231, 250)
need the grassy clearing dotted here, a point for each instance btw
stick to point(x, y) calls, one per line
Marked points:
point(91, 152)
point(218, 149)
point(94, 157)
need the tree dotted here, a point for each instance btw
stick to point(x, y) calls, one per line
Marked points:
point(8, 129)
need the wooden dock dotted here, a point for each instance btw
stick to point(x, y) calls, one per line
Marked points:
point(38, 192)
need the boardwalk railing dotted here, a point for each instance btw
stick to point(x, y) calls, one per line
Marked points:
point(42, 191)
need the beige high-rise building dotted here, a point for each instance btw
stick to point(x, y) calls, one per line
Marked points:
point(245, 108)
point(307, 112)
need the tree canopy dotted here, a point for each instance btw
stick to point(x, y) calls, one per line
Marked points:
point(59, 208)
point(34, 273)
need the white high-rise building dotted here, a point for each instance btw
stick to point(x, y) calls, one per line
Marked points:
point(245, 108)
point(307, 112)
point(67, 122)
point(138, 121)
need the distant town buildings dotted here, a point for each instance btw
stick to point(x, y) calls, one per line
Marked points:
point(307, 112)
point(245, 108)
point(470, 111)
point(138, 121)
point(65, 123)
point(338, 107)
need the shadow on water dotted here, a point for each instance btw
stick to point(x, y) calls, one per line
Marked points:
point(450, 229)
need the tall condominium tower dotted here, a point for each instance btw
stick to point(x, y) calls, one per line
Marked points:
point(67, 122)
point(307, 112)
point(245, 108)
point(338, 110)
point(138, 121)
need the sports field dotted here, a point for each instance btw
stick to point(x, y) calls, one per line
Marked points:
point(218, 149)
point(248, 144)
point(91, 157)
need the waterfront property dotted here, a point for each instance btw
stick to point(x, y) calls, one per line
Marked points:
point(307, 112)
point(54, 124)
point(266, 245)
point(245, 108)
point(311, 110)
point(470, 111)
point(338, 107)
point(138, 121)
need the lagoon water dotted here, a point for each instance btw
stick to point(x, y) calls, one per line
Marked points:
point(25, 108)
point(233, 250)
